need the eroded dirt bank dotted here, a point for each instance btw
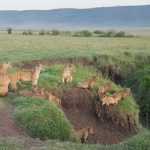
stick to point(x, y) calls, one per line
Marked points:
point(79, 107)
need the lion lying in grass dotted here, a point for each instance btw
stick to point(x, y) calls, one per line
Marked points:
point(88, 84)
point(67, 74)
point(117, 96)
point(104, 88)
point(82, 134)
point(121, 94)
point(4, 67)
point(42, 93)
point(106, 99)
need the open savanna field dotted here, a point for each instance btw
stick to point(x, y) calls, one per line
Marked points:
point(28, 122)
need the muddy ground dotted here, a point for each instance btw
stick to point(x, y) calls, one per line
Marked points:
point(78, 105)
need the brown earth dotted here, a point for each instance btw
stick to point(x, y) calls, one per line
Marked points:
point(8, 129)
point(78, 105)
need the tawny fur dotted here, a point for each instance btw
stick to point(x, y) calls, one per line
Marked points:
point(26, 75)
point(4, 82)
point(88, 84)
point(67, 74)
point(106, 99)
point(56, 101)
point(121, 94)
point(104, 88)
point(4, 67)
point(82, 134)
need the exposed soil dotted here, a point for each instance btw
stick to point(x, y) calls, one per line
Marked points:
point(8, 129)
point(52, 61)
point(79, 107)
point(7, 125)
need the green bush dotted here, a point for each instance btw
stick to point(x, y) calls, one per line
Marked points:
point(83, 33)
point(98, 32)
point(41, 119)
point(139, 81)
point(110, 33)
point(27, 32)
point(42, 32)
point(55, 32)
point(9, 30)
point(120, 34)
point(139, 142)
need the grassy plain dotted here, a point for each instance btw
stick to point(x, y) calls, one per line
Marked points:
point(18, 47)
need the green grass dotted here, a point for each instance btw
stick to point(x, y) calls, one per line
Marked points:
point(41, 119)
point(2, 103)
point(138, 142)
point(18, 47)
point(50, 77)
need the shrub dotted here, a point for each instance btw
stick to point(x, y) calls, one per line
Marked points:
point(42, 32)
point(98, 32)
point(27, 32)
point(41, 119)
point(139, 81)
point(9, 30)
point(83, 33)
point(55, 32)
point(67, 32)
point(110, 33)
point(120, 34)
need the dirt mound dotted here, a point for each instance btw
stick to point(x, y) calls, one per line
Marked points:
point(79, 107)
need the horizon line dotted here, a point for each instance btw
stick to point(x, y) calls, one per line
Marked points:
point(73, 8)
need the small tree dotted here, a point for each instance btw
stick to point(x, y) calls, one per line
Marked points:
point(9, 30)
point(42, 32)
point(55, 32)
point(98, 32)
point(120, 34)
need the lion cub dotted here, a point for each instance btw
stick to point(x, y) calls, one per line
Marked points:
point(84, 133)
point(4, 67)
point(56, 101)
point(88, 84)
point(106, 99)
point(121, 94)
point(104, 87)
point(67, 74)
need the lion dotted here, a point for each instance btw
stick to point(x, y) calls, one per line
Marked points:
point(106, 99)
point(4, 82)
point(26, 75)
point(67, 74)
point(4, 67)
point(82, 134)
point(88, 84)
point(104, 87)
point(121, 94)
point(56, 101)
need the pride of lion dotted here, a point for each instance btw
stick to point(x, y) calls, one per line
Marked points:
point(66, 77)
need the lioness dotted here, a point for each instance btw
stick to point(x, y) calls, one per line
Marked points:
point(4, 82)
point(83, 133)
point(26, 75)
point(88, 84)
point(67, 74)
point(106, 99)
point(104, 87)
point(4, 67)
point(121, 94)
